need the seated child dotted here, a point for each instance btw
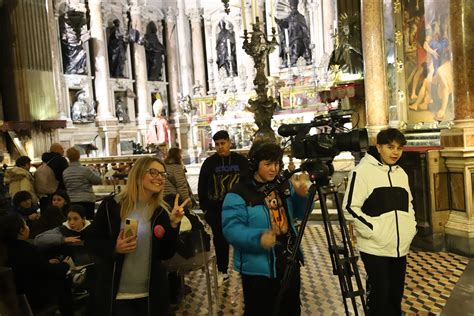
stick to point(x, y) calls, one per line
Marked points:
point(42, 281)
point(70, 232)
point(23, 205)
point(53, 215)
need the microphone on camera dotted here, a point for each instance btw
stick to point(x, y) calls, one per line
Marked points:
point(287, 130)
point(159, 231)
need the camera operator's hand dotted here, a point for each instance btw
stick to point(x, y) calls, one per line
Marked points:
point(301, 185)
point(268, 239)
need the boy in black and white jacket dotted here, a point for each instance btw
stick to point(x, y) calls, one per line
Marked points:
point(379, 203)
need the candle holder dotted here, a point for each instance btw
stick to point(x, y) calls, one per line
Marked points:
point(258, 47)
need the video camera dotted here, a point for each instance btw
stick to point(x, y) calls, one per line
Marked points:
point(325, 145)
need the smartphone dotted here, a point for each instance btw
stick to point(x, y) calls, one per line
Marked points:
point(131, 227)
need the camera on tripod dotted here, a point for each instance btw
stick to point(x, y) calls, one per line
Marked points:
point(325, 144)
point(318, 150)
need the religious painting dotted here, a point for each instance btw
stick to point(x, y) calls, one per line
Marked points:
point(294, 98)
point(427, 60)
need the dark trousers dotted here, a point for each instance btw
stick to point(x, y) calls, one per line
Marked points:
point(221, 245)
point(89, 207)
point(260, 295)
point(385, 284)
point(136, 307)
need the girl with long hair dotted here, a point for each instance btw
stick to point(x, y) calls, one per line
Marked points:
point(131, 279)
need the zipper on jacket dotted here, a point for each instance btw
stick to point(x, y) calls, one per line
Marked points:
point(396, 216)
point(271, 257)
point(398, 234)
point(149, 262)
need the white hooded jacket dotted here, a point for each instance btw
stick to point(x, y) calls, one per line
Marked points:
point(379, 203)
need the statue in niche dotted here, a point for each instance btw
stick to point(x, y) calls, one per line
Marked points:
point(121, 111)
point(73, 31)
point(154, 53)
point(117, 48)
point(348, 47)
point(83, 111)
point(225, 47)
point(158, 130)
point(294, 35)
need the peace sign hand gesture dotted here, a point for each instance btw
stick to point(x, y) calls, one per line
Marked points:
point(177, 212)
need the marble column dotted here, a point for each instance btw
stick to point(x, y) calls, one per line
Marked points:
point(199, 61)
point(104, 112)
point(317, 31)
point(184, 43)
point(375, 77)
point(210, 57)
point(458, 141)
point(139, 60)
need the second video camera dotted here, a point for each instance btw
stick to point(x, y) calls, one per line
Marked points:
point(325, 145)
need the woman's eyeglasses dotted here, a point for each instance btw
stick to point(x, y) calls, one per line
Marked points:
point(155, 173)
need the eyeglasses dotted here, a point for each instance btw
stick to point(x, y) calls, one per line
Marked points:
point(155, 173)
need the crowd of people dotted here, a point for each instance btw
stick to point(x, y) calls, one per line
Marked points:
point(41, 233)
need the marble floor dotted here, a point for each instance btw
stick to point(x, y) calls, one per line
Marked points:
point(431, 278)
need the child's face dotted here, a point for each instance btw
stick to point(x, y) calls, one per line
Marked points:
point(75, 221)
point(390, 153)
point(58, 201)
point(26, 204)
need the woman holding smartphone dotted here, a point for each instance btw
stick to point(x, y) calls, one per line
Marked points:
point(130, 277)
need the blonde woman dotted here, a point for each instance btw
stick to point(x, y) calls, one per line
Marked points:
point(130, 277)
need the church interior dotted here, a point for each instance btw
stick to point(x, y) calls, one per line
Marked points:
point(119, 79)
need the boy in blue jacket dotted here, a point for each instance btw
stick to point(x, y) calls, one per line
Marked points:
point(260, 228)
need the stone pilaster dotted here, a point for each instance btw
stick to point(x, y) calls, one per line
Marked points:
point(374, 66)
point(184, 42)
point(139, 60)
point(199, 62)
point(172, 59)
point(104, 112)
point(459, 140)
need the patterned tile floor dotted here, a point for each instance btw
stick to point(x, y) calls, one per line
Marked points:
point(430, 279)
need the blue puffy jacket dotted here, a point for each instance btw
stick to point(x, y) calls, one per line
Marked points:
point(245, 217)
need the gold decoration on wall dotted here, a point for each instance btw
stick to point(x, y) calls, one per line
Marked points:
point(400, 65)
point(398, 37)
point(397, 7)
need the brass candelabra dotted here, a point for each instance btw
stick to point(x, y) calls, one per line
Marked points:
point(258, 47)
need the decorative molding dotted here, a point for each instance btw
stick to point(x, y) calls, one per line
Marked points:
point(171, 15)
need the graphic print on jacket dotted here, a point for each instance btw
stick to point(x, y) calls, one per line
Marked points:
point(223, 179)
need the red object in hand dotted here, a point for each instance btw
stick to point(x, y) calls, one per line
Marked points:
point(159, 231)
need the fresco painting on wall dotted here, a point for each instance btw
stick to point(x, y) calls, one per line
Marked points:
point(428, 66)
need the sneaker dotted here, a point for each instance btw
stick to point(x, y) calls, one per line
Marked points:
point(221, 278)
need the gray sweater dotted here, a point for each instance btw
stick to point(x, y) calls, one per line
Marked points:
point(177, 182)
point(79, 180)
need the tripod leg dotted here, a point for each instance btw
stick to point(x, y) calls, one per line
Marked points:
point(293, 260)
point(351, 258)
point(332, 247)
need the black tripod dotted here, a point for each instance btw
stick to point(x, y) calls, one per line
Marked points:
point(343, 260)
